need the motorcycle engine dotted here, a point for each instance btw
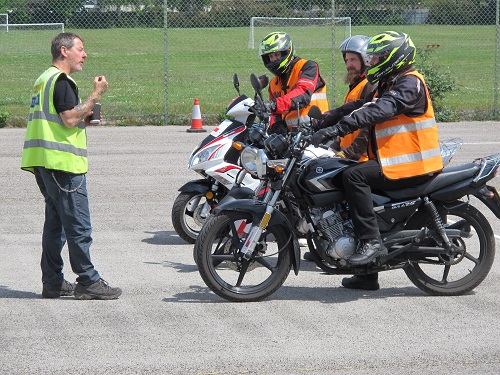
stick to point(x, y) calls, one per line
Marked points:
point(336, 238)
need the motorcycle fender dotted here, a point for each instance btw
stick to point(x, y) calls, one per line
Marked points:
point(453, 192)
point(257, 210)
point(489, 196)
point(196, 186)
point(237, 193)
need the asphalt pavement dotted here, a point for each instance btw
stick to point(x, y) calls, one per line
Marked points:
point(168, 322)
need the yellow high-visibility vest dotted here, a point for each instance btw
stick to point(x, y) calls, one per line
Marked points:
point(48, 142)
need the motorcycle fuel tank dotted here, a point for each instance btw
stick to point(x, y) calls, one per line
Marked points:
point(323, 174)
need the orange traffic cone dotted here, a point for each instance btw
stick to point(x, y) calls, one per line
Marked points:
point(196, 125)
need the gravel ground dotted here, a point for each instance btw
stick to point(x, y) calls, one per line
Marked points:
point(168, 322)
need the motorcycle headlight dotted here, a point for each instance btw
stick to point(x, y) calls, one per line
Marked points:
point(203, 155)
point(254, 161)
point(261, 163)
point(248, 157)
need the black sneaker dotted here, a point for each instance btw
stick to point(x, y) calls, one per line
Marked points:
point(98, 290)
point(56, 291)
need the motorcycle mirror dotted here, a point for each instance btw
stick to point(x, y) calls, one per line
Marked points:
point(264, 80)
point(314, 112)
point(236, 83)
point(256, 83)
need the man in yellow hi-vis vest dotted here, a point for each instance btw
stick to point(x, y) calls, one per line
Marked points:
point(404, 148)
point(55, 150)
point(296, 85)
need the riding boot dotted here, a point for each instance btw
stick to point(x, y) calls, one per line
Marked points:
point(367, 251)
point(366, 282)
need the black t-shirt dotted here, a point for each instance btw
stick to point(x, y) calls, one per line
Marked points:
point(65, 94)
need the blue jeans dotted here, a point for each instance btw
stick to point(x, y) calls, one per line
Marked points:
point(67, 220)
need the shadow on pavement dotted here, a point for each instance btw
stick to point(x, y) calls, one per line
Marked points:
point(5, 292)
point(164, 238)
point(339, 294)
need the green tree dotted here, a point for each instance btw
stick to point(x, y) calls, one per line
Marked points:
point(17, 10)
point(66, 8)
point(189, 5)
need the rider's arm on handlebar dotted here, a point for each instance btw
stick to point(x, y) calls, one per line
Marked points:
point(307, 83)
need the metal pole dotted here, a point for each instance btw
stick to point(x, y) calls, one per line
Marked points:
point(495, 96)
point(333, 54)
point(165, 61)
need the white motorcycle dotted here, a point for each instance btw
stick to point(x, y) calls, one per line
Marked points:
point(217, 161)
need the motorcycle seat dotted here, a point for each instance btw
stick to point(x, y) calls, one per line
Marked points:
point(447, 176)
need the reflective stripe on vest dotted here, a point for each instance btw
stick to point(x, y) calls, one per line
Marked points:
point(409, 146)
point(317, 99)
point(405, 128)
point(48, 142)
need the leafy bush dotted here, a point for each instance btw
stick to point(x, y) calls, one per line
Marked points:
point(439, 82)
point(4, 117)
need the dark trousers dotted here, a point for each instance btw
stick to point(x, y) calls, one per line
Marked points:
point(359, 181)
point(67, 220)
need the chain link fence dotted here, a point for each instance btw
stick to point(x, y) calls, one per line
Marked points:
point(159, 55)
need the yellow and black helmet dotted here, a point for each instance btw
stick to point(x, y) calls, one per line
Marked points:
point(396, 53)
point(277, 42)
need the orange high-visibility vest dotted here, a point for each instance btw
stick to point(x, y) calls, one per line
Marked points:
point(354, 94)
point(318, 98)
point(409, 146)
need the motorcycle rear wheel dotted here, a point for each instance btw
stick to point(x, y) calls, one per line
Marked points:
point(218, 258)
point(186, 217)
point(463, 271)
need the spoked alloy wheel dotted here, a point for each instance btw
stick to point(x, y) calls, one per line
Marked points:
point(461, 271)
point(235, 279)
point(188, 215)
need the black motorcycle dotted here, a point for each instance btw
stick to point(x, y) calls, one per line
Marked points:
point(445, 245)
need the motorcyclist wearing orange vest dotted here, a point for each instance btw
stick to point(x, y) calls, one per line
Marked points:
point(403, 149)
point(353, 146)
point(297, 83)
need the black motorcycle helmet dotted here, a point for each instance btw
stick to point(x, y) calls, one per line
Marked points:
point(277, 42)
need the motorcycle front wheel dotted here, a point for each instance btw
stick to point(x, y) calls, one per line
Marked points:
point(229, 275)
point(189, 214)
point(468, 265)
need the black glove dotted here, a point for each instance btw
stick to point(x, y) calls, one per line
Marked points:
point(315, 124)
point(330, 118)
point(278, 128)
point(270, 105)
point(324, 134)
